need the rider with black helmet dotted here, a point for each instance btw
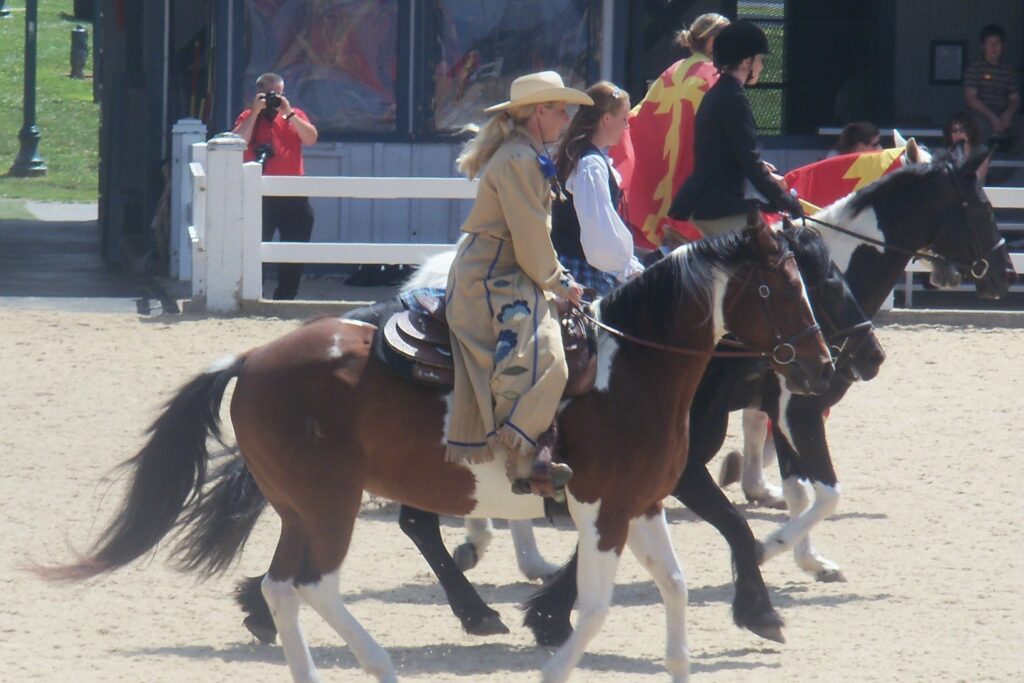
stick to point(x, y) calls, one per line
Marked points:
point(726, 152)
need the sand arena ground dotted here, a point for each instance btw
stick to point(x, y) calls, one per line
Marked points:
point(929, 533)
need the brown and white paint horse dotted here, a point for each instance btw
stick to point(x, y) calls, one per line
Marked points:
point(319, 420)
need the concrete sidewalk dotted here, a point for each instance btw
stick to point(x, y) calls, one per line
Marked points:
point(57, 265)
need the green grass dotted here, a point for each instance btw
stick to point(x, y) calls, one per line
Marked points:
point(67, 117)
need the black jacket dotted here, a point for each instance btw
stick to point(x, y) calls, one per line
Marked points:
point(725, 153)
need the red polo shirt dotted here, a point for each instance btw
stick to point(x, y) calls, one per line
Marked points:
point(287, 159)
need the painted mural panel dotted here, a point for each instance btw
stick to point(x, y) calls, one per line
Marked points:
point(339, 59)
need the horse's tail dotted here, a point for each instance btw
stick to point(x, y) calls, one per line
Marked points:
point(168, 474)
point(220, 521)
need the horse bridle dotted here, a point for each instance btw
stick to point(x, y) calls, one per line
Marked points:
point(977, 269)
point(839, 338)
point(784, 351)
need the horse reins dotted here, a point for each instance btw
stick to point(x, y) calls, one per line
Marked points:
point(977, 269)
point(783, 346)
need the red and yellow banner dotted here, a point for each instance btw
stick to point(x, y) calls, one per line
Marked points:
point(656, 154)
point(826, 181)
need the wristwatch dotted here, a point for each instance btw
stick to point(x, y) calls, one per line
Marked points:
point(288, 116)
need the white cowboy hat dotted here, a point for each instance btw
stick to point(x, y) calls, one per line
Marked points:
point(545, 86)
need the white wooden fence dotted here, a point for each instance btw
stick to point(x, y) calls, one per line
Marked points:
point(225, 233)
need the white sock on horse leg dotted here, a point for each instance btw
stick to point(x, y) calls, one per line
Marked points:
point(283, 601)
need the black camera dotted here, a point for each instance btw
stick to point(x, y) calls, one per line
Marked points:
point(264, 152)
point(273, 99)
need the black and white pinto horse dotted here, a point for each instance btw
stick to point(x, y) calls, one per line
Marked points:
point(936, 207)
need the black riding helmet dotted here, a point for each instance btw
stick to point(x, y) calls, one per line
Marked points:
point(737, 41)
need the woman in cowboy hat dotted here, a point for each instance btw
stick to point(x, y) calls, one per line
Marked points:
point(725, 153)
point(506, 342)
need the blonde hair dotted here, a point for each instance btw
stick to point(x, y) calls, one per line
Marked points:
point(479, 150)
point(704, 28)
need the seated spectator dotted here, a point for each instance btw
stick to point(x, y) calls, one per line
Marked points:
point(962, 129)
point(857, 137)
point(992, 90)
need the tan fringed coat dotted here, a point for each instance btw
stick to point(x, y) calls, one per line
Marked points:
point(509, 364)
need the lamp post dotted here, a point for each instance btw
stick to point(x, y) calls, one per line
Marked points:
point(29, 163)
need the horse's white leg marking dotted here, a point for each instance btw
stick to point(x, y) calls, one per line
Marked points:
point(755, 431)
point(650, 542)
point(479, 534)
point(595, 576)
point(531, 563)
point(283, 601)
point(801, 518)
point(325, 598)
point(826, 499)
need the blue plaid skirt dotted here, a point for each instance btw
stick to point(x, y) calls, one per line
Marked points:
point(589, 276)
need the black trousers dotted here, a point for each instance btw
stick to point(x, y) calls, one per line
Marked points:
point(292, 218)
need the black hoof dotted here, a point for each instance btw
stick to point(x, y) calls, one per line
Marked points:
point(830, 576)
point(771, 632)
point(731, 468)
point(548, 632)
point(264, 633)
point(761, 619)
point(466, 556)
point(491, 625)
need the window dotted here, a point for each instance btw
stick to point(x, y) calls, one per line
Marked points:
point(767, 98)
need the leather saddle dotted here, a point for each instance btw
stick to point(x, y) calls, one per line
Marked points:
point(415, 343)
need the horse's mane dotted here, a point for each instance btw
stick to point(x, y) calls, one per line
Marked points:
point(812, 255)
point(896, 183)
point(684, 276)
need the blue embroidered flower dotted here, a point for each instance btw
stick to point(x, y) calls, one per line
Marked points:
point(507, 341)
point(514, 311)
point(547, 166)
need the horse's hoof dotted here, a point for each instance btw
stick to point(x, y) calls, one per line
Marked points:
point(771, 632)
point(263, 633)
point(732, 465)
point(759, 552)
point(466, 557)
point(491, 625)
point(548, 631)
point(767, 500)
point(830, 576)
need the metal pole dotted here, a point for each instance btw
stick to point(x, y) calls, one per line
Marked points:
point(29, 163)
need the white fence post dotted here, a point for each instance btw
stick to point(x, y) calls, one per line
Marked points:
point(184, 134)
point(252, 231)
point(197, 230)
point(225, 218)
point(185, 265)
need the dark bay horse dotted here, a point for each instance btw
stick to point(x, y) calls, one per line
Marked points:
point(934, 206)
point(318, 420)
point(854, 348)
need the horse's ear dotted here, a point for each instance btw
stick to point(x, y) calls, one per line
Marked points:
point(912, 151)
point(897, 139)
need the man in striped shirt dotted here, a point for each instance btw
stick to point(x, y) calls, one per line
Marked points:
point(992, 88)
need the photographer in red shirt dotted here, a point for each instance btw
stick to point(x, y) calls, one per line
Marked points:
point(275, 132)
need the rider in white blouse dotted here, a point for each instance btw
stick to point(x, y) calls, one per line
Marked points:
point(606, 241)
point(588, 232)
